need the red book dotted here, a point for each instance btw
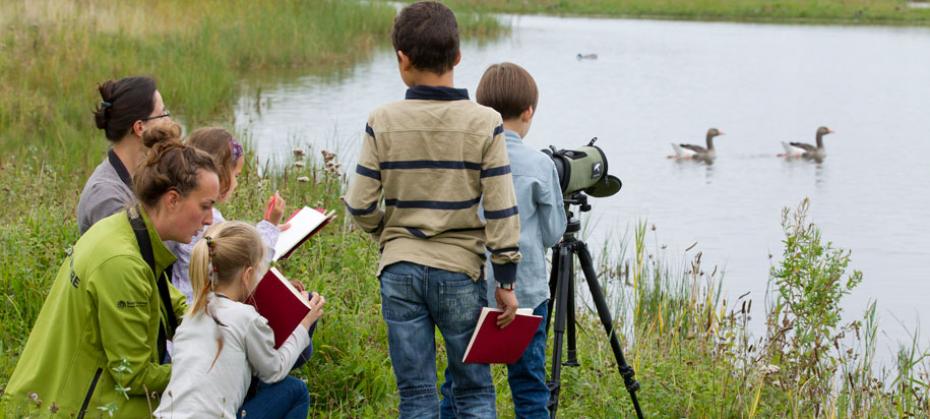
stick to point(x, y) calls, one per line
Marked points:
point(279, 302)
point(305, 222)
point(493, 345)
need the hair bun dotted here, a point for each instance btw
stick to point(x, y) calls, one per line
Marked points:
point(106, 102)
point(161, 133)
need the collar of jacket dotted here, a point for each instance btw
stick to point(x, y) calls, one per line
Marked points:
point(163, 256)
point(423, 92)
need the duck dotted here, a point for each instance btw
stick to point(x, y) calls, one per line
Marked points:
point(807, 151)
point(586, 56)
point(696, 152)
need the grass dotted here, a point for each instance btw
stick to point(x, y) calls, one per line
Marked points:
point(871, 12)
point(692, 351)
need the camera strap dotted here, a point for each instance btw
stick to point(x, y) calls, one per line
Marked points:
point(145, 247)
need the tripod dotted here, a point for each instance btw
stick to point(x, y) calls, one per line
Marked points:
point(562, 290)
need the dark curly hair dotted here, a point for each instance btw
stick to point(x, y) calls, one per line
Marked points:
point(170, 165)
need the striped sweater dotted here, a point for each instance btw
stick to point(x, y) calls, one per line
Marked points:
point(425, 165)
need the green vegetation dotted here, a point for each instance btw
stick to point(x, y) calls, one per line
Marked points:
point(692, 351)
point(872, 12)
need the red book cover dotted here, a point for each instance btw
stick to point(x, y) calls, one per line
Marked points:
point(279, 302)
point(493, 345)
point(305, 222)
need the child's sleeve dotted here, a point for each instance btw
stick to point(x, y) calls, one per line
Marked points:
point(551, 209)
point(500, 208)
point(364, 193)
point(269, 364)
point(269, 234)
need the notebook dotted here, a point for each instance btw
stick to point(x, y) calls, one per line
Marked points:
point(305, 222)
point(280, 303)
point(492, 345)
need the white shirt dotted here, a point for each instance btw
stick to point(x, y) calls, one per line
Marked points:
point(198, 391)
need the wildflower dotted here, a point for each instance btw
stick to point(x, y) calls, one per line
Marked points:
point(299, 152)
point(109, 408)
point(303, 179)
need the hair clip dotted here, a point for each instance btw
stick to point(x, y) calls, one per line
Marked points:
point(104, 104)
point(236, 149)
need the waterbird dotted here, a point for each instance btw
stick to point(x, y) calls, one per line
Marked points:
point(581, 56)
point(807, 151)
point(696, 152)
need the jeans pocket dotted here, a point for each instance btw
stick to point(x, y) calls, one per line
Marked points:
point(398, 299)
point(462, 301)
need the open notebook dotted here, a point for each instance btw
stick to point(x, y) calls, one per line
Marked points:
point(493, 345)
point(305, 222)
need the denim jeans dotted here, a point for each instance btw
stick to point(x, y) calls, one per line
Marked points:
point(308, 351)
point(527, 378)
point(415, 300)
point(286, 399)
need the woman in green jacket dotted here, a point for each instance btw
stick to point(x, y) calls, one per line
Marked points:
point(97, 345)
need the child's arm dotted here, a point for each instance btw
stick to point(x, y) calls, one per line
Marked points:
point(500, 209)
point(269, 364)
point(364, 193)
point(551, 209)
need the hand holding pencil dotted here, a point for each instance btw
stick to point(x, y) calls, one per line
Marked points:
point(275, 209)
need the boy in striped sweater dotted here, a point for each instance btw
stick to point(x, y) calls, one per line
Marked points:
point(433, 158)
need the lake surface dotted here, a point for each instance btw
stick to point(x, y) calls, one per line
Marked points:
point(658, 82)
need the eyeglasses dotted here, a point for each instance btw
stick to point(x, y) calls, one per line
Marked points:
point(164, 115)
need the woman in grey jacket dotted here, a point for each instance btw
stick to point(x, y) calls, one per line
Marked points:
point(127, 108)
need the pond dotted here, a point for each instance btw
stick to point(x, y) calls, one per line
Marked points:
point(658, 82)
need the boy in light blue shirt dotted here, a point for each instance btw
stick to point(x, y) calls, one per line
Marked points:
point(511, 90)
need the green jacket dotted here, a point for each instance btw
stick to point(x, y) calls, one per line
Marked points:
point(103, 308)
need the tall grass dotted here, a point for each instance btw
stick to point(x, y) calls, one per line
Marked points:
point(883, 12)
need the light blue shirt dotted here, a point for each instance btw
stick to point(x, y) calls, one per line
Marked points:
point(542, 220)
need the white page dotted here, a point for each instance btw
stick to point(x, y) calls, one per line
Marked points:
point(302, 224)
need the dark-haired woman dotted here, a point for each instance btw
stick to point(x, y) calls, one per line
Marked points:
point(127, 108)
point(101, 333)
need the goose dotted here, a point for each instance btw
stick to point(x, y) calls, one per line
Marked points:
point(696, 152)
point(805, 150)
point(586, 56)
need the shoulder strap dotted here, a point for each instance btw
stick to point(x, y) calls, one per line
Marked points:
point(145, 247)
point(120, 168)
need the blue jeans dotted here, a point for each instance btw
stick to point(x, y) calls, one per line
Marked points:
point(286, 399)
point(415, 300)
point(308, 351)
point(527, 378)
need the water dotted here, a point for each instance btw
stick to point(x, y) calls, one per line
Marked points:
point(656, 82)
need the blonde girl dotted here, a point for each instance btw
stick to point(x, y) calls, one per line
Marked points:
point(223, 342)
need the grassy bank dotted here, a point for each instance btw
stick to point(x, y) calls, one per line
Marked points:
point(871, 12)
point(692, 352)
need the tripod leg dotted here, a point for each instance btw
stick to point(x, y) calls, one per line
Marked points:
point(604, 313)
point(561, 297)
point(572, 359)
point(553, 284)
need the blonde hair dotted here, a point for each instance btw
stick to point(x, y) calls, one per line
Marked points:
point(219, 258)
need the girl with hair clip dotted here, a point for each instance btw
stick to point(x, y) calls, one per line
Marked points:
point(225, 269)
point(229, 158)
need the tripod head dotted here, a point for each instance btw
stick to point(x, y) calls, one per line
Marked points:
point(580, 200)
